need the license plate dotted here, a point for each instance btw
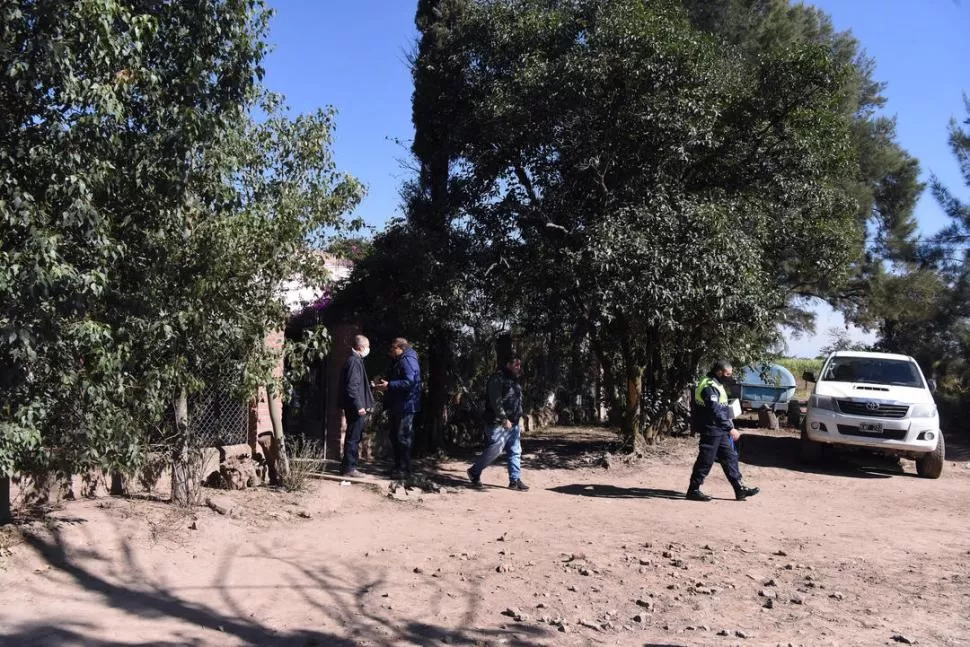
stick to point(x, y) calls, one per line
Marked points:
point(871, 427)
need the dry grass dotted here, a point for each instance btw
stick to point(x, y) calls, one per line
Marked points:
point(9, 538)
point(306, 459)
point(170, 525)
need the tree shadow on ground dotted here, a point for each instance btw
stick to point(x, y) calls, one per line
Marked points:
point(569, 448)
point(343, 600)
point(957, 446)
point(614, 492)
point(560, 448)
point(784, 452)
point(552, 448)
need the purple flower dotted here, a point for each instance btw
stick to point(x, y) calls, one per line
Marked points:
point(322, 302)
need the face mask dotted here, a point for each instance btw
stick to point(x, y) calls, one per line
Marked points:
point(364, 353)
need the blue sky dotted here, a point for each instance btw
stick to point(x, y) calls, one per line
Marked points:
point(352, 55)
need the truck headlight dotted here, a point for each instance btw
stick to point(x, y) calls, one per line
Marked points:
point(822, 402)
point(923, 411)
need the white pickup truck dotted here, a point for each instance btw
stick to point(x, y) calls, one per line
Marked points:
point(875, 401)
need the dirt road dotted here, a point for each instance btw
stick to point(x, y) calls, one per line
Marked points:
point(591, 556)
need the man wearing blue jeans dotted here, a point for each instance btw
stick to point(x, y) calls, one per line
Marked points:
point(503, 413)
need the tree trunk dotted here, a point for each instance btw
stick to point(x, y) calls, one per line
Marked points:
point(633, 373)
point(184, 485)
point(593, 386)
point(117, 484)
point(631, 414)
point(5, 513)
point(282, 460)
point(437, 421)
point(608, 384)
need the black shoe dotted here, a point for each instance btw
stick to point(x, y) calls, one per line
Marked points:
point(742, 492)
point(517, 484)
point(476, 481)
point(697, 495)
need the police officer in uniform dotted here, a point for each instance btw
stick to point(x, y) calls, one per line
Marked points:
point(712, 418)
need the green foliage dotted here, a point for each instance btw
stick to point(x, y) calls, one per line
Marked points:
point(147, 220)
point(628, 171)
point(839, 340)
point(884, 181)
point(640, 181)
point(798, 365)
point(958, 233)
point(924, 309)
point(919, 306)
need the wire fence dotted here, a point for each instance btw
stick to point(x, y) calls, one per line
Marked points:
point(216, 418)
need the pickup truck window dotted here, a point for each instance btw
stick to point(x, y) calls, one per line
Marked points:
point(873, 370)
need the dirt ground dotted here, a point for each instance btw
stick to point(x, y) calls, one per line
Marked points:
point(857, 553)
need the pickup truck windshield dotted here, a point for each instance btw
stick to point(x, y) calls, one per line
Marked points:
point(873, 370)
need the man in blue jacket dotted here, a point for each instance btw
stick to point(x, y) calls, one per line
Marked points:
point(712, 418)
point(357, 401)
point(402, 401)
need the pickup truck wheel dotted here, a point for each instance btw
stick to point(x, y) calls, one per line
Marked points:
point(930, 465)
point(810, 451)
point(794, 414)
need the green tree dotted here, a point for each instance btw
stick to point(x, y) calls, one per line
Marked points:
point(925, 307)
point(839, 340)
point(147, 219)
point(422, 279)
point(633, 173)
point(884, 181)
point(957, 234)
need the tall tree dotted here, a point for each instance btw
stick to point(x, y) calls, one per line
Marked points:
point(637, 173)
point(885, 180)
point(923, 306)
point(419, 280)
point(957, 234)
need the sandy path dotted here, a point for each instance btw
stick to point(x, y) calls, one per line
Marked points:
point(850, 557)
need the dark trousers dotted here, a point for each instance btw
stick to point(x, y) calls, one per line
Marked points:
point(717, 447)
point(402, 437)
point(355, 431)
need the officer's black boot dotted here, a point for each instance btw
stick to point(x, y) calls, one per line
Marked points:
point(695, 494)
point(742, 491)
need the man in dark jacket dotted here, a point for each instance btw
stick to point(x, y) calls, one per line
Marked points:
point(713, 420)
point(503, 412)
point(402, 401)
point(357, 401)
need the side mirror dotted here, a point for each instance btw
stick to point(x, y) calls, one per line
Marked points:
point(809, 376)
point(932, 385)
